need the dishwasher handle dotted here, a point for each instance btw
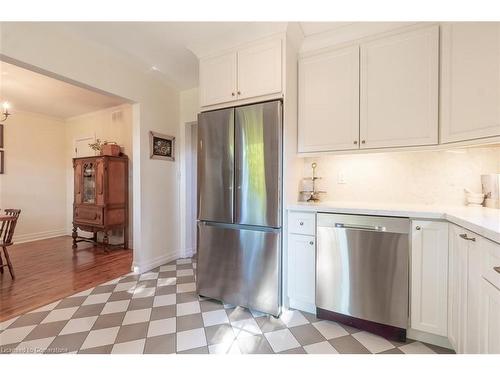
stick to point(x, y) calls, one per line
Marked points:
point(374, 228)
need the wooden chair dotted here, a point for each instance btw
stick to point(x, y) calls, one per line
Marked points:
point(7, 228)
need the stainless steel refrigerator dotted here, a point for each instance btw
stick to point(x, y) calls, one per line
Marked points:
point(239, 206)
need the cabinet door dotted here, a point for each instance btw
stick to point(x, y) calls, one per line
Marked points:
point(78, 183)
point(259, 70)
point(329, 101)
point(399, 90)
point(429, 277)
point(490, 318)
point(301, 272)
point(473, 325)
point(470, 80)
point(218, 79)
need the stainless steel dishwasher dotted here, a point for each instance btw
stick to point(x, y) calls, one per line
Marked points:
point(362, 266)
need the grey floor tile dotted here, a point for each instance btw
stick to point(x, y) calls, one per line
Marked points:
point(186, 266)
point(88, 310)
point(146, 284)
point(29, 319)
point(70, 302)
point(167, 274)
point(104, 289)
point(167, 289)
point(187, 322)
point(439, 349)
point(269, 323)
point(311, 317)
point(392, 351)
point(68, 343)
point(46, 330)
point(185, 279)
point(348, 345)
point(129, 278)
point(238, 313)
point(109, 320)
point(187, 297)
point(164, 344)
point(349, 329)
point(141, 303)
point(120, 296)
point(298, 350)
point(132, 332)
point(254, 345)
point(163, 312)
point(200, 350)
point(211, 305)
point(306, 334)
point(106, 349)
point(401, 343)
point(219, 333)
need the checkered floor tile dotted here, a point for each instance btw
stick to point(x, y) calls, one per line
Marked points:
point(160, 312)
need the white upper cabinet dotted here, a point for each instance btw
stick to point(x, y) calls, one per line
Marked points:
point(250, 72)
point(470, 80)
point(429, 277)
point(218, 79)
point(259, 70)
point(399, 90)
point(329, 101)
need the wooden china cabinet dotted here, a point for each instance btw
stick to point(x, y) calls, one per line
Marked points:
point(100, 198)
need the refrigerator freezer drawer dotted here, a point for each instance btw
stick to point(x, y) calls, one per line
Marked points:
point(240, 266)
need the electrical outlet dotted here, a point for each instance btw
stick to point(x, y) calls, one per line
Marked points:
point(341, 178)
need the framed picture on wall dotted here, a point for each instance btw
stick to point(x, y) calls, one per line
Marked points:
point(1, 136)
point(161, 146)
point(2, 154)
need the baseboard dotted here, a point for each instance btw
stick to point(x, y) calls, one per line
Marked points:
point(39, 236)
point(161, 260)
point(429, 338)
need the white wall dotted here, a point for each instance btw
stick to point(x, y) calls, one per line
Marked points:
point(100, 125)
point(424, 177)
point(156, 213)
point(35, 174)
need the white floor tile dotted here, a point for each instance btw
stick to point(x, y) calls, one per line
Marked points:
point(184, 261)
point(130, 347)
point(96, 298)
point(115, 306)
point(185, 273)
point(167, 281)
point(293, 318)
point(165, 300)
point(78, 325)
point(60, 314)
point(136, 316)
point(7, 323)
point(323, 347)
point(188, 308)
point(281, 340)
point(246, 327)
point(168, 268)
point(13, 335)
point(215, 317)
point(330, 330)
point(375, 344)
point(225, 348)
point(416, 348)
point(125, 287)
point(161, 327)
point(48, 307)
point(141, 292)
point(34, 346)
point(148, 276)
point(188, 287)
point(100, 337)
point(191, 339)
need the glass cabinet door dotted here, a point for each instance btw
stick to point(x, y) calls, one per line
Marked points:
point(89, 188)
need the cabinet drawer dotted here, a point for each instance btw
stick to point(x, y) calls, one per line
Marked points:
point(490, 262)
point(302, 222)
point(88, 215)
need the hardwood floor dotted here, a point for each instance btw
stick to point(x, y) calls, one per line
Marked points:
point(47, 271)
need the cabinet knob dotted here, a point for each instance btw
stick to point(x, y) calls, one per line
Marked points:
point(301, 223)
point(417, 227)
point(239, 92)
point(363, 141)
point(311, 242)
point(233, 94)
point(497, 269)
point(355, 142)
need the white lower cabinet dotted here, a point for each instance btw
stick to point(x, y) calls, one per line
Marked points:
point(302, 272)
point(490, 318)
point(429, 277)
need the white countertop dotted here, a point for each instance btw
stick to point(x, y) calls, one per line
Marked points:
point(480, 220)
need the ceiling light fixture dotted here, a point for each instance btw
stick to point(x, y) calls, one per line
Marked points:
point(5, 111)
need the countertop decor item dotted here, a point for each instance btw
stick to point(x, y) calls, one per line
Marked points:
point(491, 189)
point(313, 195)
point(161, 146)
point(474, 199)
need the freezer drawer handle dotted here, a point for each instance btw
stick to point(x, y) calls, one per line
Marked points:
point(464, 236)
point(375, 228)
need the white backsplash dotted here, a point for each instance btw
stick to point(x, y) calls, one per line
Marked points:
point(423, 177)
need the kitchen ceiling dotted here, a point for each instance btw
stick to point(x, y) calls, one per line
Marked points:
point(33, 92)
